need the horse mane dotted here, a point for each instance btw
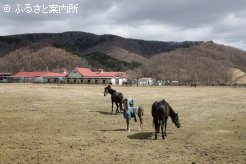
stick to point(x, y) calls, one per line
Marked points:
point(172, 113)
point(111, 91)
point(119, 94)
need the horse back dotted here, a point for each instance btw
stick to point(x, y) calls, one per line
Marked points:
point(160, 111)
point(163, 111)
point(120, 96)
point(117, 97)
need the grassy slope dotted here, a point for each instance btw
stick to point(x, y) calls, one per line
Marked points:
point(238, 76)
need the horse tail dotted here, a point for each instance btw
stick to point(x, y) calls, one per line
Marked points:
point(154, 109)
point(161, 113)
point(155, 114)
point(120, 99)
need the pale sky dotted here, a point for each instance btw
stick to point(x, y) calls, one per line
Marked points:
point(222, 21)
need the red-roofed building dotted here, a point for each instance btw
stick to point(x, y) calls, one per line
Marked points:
point(38, 77)
point(86, 76)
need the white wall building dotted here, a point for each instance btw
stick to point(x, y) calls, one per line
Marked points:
point(86, 76)
point(145, 81)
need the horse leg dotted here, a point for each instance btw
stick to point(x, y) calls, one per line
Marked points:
point(117, 110)
point(112, 106)
point(127, 124)
point(155, 134)
point(135, 118)
point(141, 122)
point(120, 103)
point(162, 132)
point(165, 127)
point(156, 128)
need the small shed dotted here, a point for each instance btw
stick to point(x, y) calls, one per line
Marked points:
point(145, 81)
point(5, 77)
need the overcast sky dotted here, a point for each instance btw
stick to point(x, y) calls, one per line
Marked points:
point(222, 21)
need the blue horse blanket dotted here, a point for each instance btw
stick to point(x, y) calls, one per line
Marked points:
point(132, 111)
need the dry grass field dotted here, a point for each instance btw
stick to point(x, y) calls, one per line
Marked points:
point(72, 124)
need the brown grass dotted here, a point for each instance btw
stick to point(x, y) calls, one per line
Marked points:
point(71, 124)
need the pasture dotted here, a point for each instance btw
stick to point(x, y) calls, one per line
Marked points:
point(71, 124)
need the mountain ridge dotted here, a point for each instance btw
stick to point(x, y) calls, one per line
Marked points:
point(111, 52)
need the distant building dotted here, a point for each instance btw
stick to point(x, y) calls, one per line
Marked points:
point(145, 81)
point(5, 77)
point(86, 76)
point(38, 77)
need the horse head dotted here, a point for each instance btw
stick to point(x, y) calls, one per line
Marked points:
point(105, 91)
point(175, 120)
point(125, 105)
point(109, 90)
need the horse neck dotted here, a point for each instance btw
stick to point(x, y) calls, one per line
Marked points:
point(171, 112)
point(111, 91)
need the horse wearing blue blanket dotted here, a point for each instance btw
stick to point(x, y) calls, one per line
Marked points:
point(130, 111)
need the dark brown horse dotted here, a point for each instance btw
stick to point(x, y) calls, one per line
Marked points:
point(193, 85)
point(160, 112)
point(116, 97)
point(132, 112)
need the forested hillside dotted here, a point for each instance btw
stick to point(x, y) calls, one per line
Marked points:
point(205, 62)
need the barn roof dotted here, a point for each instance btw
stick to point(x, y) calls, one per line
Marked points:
point(54, 74)
point(29, 74)
point(86, 72)
point(38, 74)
